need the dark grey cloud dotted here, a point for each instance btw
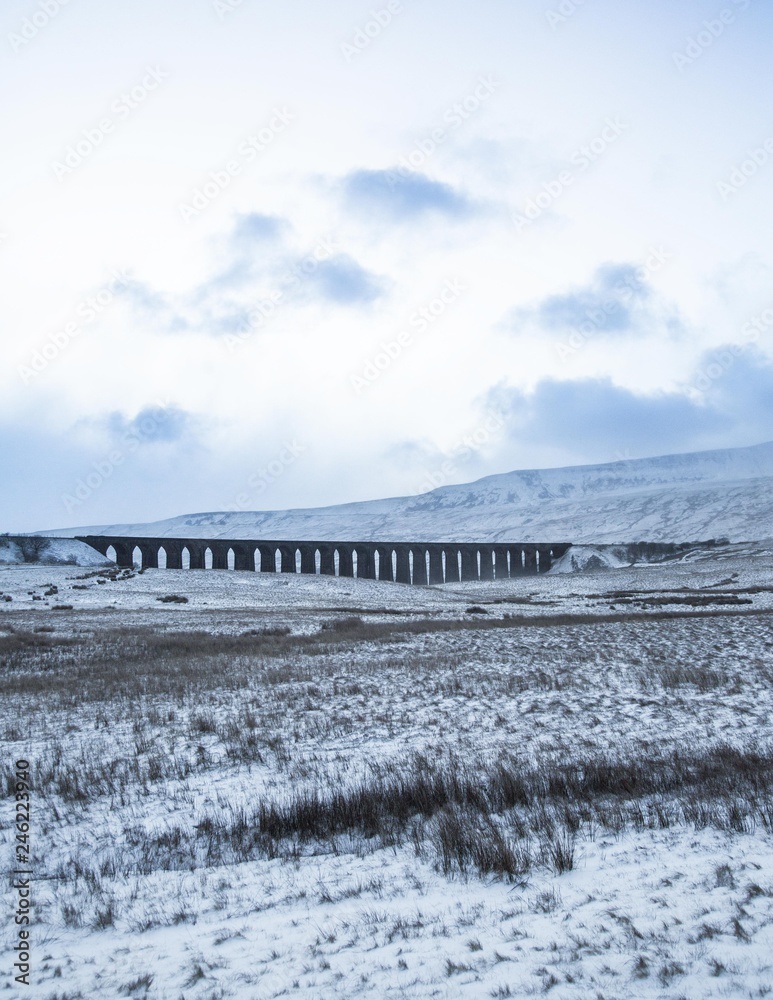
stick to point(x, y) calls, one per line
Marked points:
point(343, 281)
point(618, 301)
point(152, 424)
point(608, 302)
point(252, 227)
point(593, 418)
point(248, 251)
point(403, 194)
point(737, 380)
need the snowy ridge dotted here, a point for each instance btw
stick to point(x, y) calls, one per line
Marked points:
point(701, 495)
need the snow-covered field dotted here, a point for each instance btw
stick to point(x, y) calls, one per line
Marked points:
point(324, 787)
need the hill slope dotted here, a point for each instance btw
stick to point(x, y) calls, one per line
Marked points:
point(711, 494)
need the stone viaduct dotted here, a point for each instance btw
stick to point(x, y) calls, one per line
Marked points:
point(401, 562)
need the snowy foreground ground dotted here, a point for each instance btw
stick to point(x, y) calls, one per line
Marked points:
point(257, 786)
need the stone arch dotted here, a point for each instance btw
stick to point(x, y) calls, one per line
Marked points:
point(208, 558)
point(219, 555)
point(267, 559)
point(435, 565)
point(402, 564)
point(185, 557)
point(163, 557)
point(148, 555)
point(384, 562)
point(286, 558)
point(485, 563)
point(114, 556)
point(308, 563)
point(515, 553)
point(366, 566)
point(451, 567)
point(418, 561)
point(469, 556)
point(345, 561)
point(196, 555)
point(174, 554)
point(327, 564)
point(382, 556)
point(244, 557)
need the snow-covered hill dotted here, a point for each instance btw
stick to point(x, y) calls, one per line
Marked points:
point(20, 549)
point(702, 495)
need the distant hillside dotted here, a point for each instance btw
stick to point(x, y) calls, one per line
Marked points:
point(710, 494)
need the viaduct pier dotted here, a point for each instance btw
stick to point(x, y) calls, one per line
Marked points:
point(400, 562)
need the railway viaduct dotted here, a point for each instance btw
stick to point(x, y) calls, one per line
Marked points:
point(401, 562)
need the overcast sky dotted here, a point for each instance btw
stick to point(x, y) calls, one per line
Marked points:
point(260, 255)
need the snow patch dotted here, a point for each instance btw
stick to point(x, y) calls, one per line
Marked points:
point(36, 550)
point(590, 558)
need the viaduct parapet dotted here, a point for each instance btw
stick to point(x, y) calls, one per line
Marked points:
point(400, 562)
